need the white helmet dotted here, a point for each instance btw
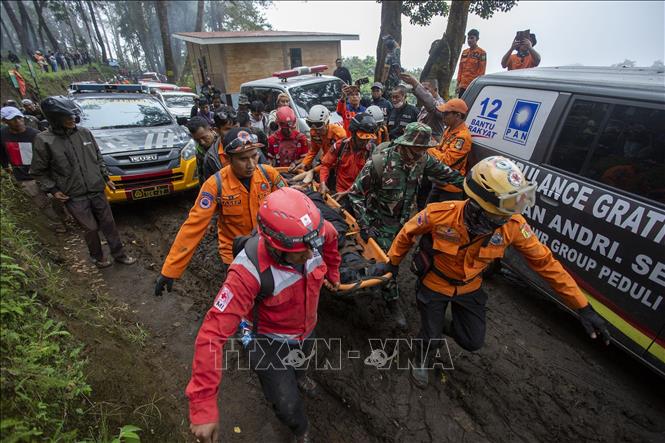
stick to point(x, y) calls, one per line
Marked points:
point(376, 113)
point(318, 114)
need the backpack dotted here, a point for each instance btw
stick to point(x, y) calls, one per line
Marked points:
point(250, 244)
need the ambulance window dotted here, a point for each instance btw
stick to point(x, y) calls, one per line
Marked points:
point(577, 135)
point(630, 153)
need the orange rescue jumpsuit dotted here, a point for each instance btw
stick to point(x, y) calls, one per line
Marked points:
point(454, 151)
point(237, 215)
point(471, 65)
point(517, 62)
point(445, 221)
point(323, 143)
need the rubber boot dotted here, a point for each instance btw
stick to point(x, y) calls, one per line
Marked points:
point(396, 314)
point(303, 438)
point(419, 374)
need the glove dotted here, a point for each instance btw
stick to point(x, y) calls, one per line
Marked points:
point(161, 283)
point(366, 233)
point(594, 324)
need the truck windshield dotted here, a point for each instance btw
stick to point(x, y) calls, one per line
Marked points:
point(325, 93)
point(179, 101)
point(117, 112)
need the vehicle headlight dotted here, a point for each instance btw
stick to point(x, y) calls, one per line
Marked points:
point(189, 151)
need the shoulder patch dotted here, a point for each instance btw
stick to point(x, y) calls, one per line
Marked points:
point(223, 298)
point(483, 57)
point(421, 218)
point(205, 200)
point(526, 231)
point(459, 144)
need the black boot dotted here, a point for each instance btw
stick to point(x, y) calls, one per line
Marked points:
point(396, 314)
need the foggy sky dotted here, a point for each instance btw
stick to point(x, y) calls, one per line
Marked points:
point(594, 33)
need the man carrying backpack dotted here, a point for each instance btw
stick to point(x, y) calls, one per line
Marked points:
point(384, 193)
point(348, 156)
point(234, 193)
point(463, 238)
point(295, 253)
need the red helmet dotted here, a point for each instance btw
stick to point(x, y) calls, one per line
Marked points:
point(289, 221)
point(285, 117)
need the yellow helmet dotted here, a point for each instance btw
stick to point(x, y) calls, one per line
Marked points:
point(499, 187)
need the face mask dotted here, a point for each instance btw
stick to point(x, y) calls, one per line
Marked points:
point(478, 222)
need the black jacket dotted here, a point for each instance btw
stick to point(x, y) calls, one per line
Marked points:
point(399, 118)
point(68, 161)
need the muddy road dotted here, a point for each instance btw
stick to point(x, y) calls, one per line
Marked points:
point(537, 378)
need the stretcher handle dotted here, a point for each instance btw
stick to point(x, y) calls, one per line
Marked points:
point(365, 283)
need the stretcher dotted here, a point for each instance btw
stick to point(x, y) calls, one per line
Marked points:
point(371, 249)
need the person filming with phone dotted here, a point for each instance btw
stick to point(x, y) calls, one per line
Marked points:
point(526, 56)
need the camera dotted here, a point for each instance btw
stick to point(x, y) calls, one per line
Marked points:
point(522, 35)
point(362, 81)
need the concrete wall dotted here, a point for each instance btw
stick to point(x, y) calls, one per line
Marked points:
point(233, 64)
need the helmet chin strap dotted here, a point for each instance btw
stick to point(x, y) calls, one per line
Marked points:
point(476, 222)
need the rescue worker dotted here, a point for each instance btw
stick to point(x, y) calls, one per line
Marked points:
point(402, 114)
point(428, 94)
point(244, 184)
point(382, 130)
point(472, 63)
point(454, 148)
point(216, 158)
point(461, 239)
point(348, 156)
point(384, 193)
point(300, 248)
point(67, 164)
point(287, 146)
point(204, 136)
point(349, 105)
point(525, 57)
point(323, 134)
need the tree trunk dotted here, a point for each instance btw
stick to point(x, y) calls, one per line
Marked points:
point(5, 29)
point(144, 36)
point(99, 35)
point(200, 6)
point(391, 24)
point(444, 53)
point(163, 18)
point(198, 27)
point(39, 7)
point(20, 32)
point(27, 24)
point(106, 37)
point(84, 16)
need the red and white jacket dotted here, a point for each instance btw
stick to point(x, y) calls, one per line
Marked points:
point(289, 313)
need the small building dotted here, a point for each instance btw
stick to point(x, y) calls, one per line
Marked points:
point(232, 58)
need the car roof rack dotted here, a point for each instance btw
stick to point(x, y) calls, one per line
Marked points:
point(79, 88)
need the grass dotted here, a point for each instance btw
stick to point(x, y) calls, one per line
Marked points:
point(54, 83)
point(45, 394)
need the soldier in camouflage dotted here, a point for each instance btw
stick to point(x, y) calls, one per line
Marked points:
point(384, 193)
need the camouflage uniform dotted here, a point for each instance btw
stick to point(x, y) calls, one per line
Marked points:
point(387, 201)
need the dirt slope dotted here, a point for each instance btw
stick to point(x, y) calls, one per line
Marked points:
point(537, 378)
